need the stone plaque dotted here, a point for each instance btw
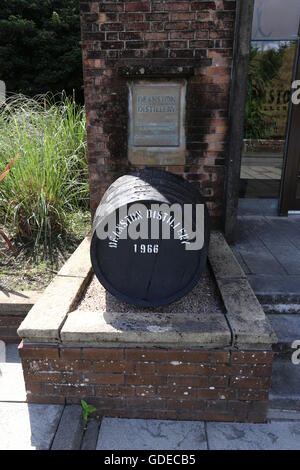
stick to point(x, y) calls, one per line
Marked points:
point(156, 123)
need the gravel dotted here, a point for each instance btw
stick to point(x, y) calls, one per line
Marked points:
point(204, 298)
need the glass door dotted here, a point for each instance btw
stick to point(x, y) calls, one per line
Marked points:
point(290, 190)
point(268, 140)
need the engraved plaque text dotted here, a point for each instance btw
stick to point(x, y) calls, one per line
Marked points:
point(156, 123)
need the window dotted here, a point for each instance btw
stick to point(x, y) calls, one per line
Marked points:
point(271, 72)
point(276, 19)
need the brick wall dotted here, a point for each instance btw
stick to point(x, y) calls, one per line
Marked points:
point(158, 39)
point(8, 327)
point(214, 385)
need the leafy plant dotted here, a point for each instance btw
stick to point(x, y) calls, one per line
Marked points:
point(50, 178)
point(87, 410)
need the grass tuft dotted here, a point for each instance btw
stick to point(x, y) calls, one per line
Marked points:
point(49, 181)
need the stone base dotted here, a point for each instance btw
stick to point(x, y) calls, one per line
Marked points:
point(193, 360)
point(212, 385)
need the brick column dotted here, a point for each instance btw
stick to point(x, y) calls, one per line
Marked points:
point(160, 39)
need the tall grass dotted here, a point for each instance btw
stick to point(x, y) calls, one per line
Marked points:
point(49, 180)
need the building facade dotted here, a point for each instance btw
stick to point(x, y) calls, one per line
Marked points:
point(195, 55)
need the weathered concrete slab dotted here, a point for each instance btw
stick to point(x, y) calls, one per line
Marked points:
point(245, 315)
point(247, 320)
point(271, 436)
point(222, 259)
point(172, 330)
point(90, 438)
point(17, 303)
point(25, 427)
point(70, 430)
point(47, 316)
point(139, 434)
point(12, 387)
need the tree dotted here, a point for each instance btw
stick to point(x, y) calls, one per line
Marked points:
point(40, 46)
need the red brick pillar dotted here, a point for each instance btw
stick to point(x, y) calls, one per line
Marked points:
point(158, 39)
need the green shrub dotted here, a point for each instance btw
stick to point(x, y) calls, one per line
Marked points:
point(50, 180)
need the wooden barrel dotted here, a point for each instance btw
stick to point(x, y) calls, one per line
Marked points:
point(154, 269)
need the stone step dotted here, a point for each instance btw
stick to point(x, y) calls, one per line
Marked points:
point(275, 414)
point(287, 329)
point(279, 308)
point(285, 389)
point(276, 292)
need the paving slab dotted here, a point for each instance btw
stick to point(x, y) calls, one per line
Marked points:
point(287, 327)
point(285, 380)
point(12, 387)
point(139, 434)
point(28, 427)
point(269, 247)
point(70, 430)
point(90, 438)
point(261, 261)
point(276, 435)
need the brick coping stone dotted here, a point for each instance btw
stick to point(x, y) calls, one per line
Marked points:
point(220, 370)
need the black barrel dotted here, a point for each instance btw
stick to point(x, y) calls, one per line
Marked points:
point(153, 269)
